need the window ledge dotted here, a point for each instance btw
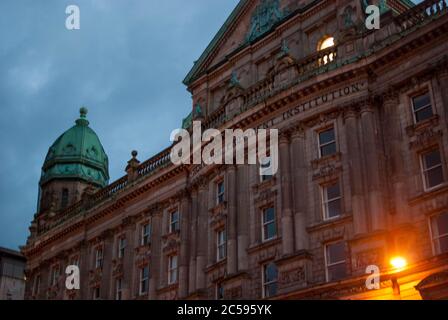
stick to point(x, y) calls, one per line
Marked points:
point(329, 223)
point(443, 188)
point(422, 125)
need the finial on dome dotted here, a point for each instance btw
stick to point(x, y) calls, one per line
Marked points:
point(83, 112)
point(134, 154)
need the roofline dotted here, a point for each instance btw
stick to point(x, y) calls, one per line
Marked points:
point(214, 41)
point(5, 252)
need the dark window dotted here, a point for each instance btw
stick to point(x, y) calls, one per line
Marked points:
point(336, 261)
point(64, 198)
point(270, 276)
point(174, 221)
point(146, 234)
point(422, 107)
point(332, 200)
point(269, 224)
point(220, 192)
point(219, 292)
point(432, 169)
point(144, 280)
point(327, 142)
point(439, 229)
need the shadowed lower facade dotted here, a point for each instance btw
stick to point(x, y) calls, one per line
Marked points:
point(362, 179)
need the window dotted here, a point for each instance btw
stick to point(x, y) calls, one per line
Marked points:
point(119, 289)
point(422, 107)
point(64, 198)
point(220, 192)
point(432, 169)
point(269, 224)
point(144, 280)
point(439, 231)
point(266, 169)
point(55, 275)
point(327, 143)
point(331, 198)
point(36, 285)
point(172, 269)
point(221, 244)
point(270, 276)
point(121, 247)
point(96, 293)
point(335, 261)
point(99, 258)
point(219, 291)
point(145, 234)
point(326, 43)
point(174, 221)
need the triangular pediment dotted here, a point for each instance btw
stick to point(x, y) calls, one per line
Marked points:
point(250, 20)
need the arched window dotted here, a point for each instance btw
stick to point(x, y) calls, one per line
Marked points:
point(325, 43)
point(64, 198)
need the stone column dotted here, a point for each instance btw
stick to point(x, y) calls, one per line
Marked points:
point(107, 262)
point(360, 221)
point(243, 217)
point(184, 245)
point(372, 157)
point(193, 241)
point(128, 261)
point(443, 83)
point(286, 215)
point(394, 145)
point(232, 263)
point(201, 253)
point(155, 270)
point(84, 266)
point(300, 183)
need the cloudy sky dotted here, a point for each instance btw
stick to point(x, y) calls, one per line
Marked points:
point(125, 64)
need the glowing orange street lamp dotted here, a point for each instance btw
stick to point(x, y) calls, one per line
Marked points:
point(398, 263)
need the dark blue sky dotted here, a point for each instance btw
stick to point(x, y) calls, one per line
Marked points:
point(126, 65)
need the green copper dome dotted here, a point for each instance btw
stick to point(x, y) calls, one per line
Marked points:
point(77, 154)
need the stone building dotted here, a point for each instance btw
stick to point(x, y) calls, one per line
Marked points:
point(362, 180)
point(12, 275)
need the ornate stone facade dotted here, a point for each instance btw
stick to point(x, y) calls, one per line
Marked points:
point(362, 175)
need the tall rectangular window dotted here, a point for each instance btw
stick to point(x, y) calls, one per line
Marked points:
point(174, 221)
point(55, 273)
point(439, 231)
point(269, 224)
point(119, 289)
point(327, 143)
point(144, 280)
point(221, 244)
point(335, 260)
point(36, 285)
point(219, 291)
point(331, 198)
point(172, 269)
point(145, 234)
point(99, 258)
point(220, 192)
point(422, 107)
point(432, 169)
point(121, 247)
point(270, 278)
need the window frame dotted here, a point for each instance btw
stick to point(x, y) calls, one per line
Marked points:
point(221, 245)
point(220, 195)
point(332, 264)
point(173, 270)
point(145, 238)
point(143, 280)
point(265, 283)
point(174, 225)
point(320, 146)
point(326, 201)
point(99, 258)
point(436, 246)
point(121, 247)
point(424, 170)
point(264, 224)
point(119, 289)
point(431, 105)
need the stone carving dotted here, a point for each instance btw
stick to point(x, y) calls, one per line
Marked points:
point(265, 16)
point(292, 276)
point(368, 257)
point(426, 138)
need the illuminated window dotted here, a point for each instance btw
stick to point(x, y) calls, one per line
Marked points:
point(326, 43)
point(439, 231)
